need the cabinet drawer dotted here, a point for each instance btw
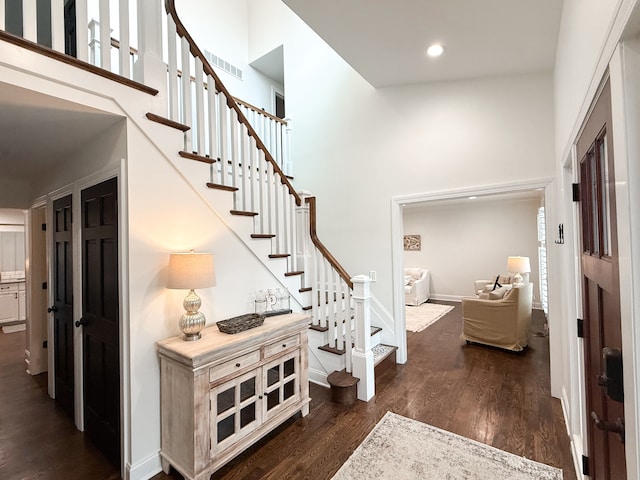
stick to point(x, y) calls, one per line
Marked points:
point(12, 287)
point(234, 365)
point(281, 345)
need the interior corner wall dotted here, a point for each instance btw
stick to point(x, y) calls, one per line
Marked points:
point(462, 243)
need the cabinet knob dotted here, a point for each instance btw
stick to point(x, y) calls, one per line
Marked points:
point(238, 365)
point(284, 345)
point(259, 397)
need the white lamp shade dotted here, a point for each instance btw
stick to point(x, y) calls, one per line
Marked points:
point(518, 265)
point(191, 270)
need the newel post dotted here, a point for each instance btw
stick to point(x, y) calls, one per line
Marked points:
point(303, 248)
point(362, 354)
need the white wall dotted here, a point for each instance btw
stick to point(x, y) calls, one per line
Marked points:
point(222, 28)
point(468, 242)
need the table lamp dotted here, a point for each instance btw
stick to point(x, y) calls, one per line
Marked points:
point(519, 265)
point(190, 271)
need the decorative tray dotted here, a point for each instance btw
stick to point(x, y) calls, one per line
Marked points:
point(241, 323)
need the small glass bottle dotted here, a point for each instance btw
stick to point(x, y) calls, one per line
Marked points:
point(278, 304)
point(261, 302)
point(285, 301)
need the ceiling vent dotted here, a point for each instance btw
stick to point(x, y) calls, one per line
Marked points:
point(216, 61)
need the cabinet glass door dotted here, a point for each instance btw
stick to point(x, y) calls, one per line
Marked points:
point(234, 410)
point(281, 383)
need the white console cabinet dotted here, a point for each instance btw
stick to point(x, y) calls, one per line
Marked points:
point(222, 393)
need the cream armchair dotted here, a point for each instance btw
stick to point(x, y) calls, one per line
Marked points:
point(417, 288)
point(503, 322)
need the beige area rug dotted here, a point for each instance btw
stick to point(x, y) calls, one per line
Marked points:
point(399, 448)
point(420, 317)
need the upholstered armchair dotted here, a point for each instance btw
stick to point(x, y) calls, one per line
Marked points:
point(500, 322)
point(416, 286)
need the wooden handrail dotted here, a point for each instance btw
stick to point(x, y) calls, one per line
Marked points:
point(316, 241)
point(260, 111)
point(170, 6)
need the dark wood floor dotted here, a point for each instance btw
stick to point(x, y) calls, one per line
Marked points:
point(495, 397)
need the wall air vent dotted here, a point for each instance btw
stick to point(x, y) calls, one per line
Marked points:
point(216, 61)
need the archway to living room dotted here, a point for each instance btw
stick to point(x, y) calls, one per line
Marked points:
point(465, 235)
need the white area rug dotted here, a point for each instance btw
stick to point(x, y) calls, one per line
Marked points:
point(14, 328)
point(420, 317)
point(399, 448)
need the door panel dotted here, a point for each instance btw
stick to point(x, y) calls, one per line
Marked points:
point(100, 317)
point(601, 291)
point(63, 303)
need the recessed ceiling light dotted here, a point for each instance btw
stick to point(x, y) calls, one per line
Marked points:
point(472, 197)
point(435, 50)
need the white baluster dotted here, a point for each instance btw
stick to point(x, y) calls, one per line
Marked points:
point(255, 177)
point(2, 16)
point(172, 51)
point(277, 213)
point(30, 20)
point(246, 170)
point(223, 110)
point(82, 32)
point(362, 354)
point(105, 34)
point(293, 231)
point(57, 24)
point(199, 106)
point(278, 145)
point(125, 41)
point(233, 131)
point(262, 191)
point(213, 122)
point(286, 156)
point(269, 199)
point(284, 215)
point(187, 118)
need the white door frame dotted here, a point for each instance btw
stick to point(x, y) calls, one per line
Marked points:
point(397, 251)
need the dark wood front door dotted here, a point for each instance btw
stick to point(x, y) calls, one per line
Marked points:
point(100, 317)
point(62, 307)
point(601, 294)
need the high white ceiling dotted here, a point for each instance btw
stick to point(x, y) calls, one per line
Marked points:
point(385, 41)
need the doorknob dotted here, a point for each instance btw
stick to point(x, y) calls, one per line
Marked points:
point(615, 427)
point(80, 323)
point(611, 379)
point(52, 308)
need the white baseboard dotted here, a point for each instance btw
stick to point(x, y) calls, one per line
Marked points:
point(318, 377)
point(575, 441)
point(447, 298)
point(144, 469)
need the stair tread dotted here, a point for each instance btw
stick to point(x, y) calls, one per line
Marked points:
point(291, 274)
point(279, 255)
point(168, 122)
point(382, 352)
point(243, 213)
point(330, 349)
point(308, 307)
point(217, 186)
point(195, 156)
point(262, 235)
point(305, 289)
point(318, 328)
point(342, 379)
